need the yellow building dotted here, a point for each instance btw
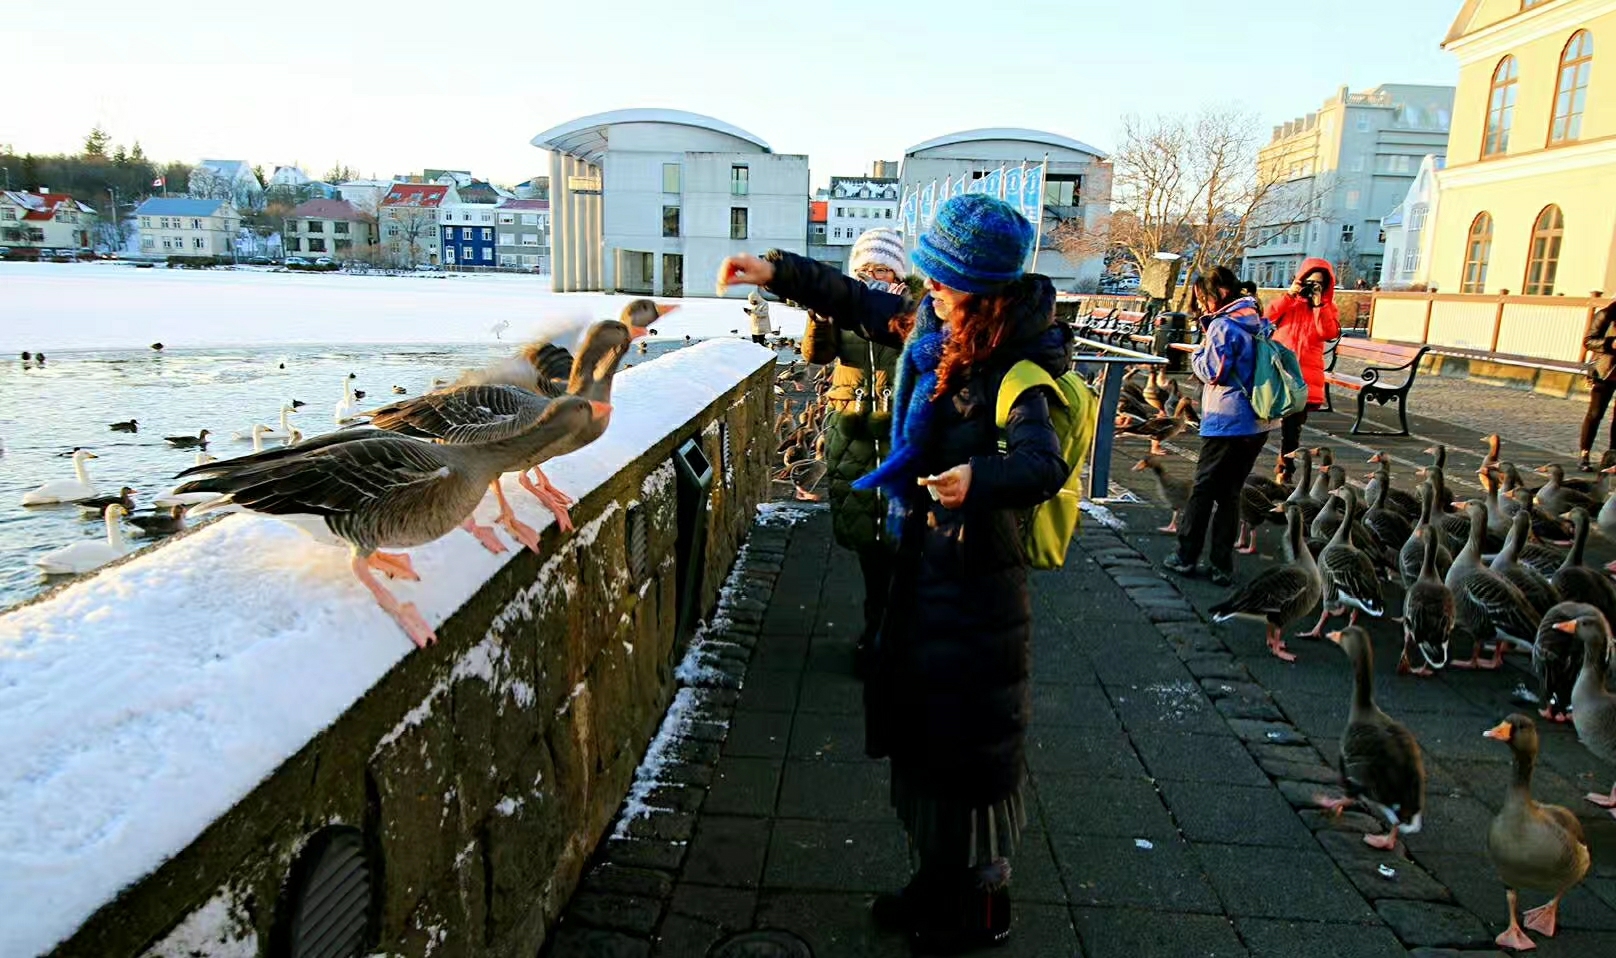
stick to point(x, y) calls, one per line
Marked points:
point(1528, 198)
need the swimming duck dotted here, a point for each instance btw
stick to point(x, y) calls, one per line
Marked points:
point(128, 425)
point(1279, 594)
point(1488, 604)
point(400, 391)
point(1172, 490)
point(370, 490)
point(65, 490)
point(1593, 704)
point(1380, 762)
point(157, 347)
point(347, 408)
point(1348, 574)
point(1533, 845)
point(97, 505)
point(1412, 554)
point(1428, 611)
point(188, 442)
point(160, 523)
point(87, 554)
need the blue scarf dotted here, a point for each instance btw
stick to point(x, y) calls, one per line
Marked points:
point(911, 415)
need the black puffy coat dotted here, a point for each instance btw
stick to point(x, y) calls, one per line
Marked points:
point(948, 695)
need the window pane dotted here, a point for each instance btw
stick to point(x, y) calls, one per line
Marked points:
point(670, 221)
point(670, 177)
point(737, 223)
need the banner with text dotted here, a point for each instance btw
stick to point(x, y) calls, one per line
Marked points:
point(1021, 186)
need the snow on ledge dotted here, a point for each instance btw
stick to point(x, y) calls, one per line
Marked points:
point(139, 705)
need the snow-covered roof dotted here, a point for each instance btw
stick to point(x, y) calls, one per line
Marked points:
point(43, 206)
point(180, 206)
point(323, 209)
point(415, 194)
point(586, 137)
point(538, 206)
point(232, 170)
point(1007, 133)
point(143, 702)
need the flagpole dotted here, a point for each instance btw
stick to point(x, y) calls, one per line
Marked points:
point(1038, 229)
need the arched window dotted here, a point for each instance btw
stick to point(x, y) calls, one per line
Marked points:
point(1501, 108)
point(1571, 89)
point(1478, 248)
point(1543, 256)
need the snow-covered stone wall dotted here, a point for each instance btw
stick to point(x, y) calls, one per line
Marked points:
point(175, 729)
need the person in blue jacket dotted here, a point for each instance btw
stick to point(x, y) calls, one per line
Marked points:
point(1232, 437)
point(947, 695)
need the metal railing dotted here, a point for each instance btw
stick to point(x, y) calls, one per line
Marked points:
point(1112, 362)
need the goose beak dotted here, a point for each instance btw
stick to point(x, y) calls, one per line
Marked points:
point(664, 309)
point(1430, 451)
point(1377, 457)
point(1569, 626)
point(1608, 472)
point(1502, 731)
point(90, 455)
point(1541, 470)
point(1334, 637)
point(601, 410)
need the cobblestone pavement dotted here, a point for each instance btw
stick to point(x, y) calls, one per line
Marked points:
point(1173, 766)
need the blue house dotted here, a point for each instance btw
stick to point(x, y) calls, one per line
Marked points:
point(467, 232)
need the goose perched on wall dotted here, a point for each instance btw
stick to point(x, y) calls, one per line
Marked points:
point(544, 365)
point(1533, 845)
point(65, 490)
point(1380, 761)
point(1593, 704)
point(447, 416)
point(371, 490)
point(87, 555)
point(1279, 594)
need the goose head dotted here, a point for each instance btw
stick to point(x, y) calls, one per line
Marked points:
point(641, 313)
point(604, 347)
point(1147, 464)
point(1552, 470)
point(1518, 731)
point(1353, 640)
point(80, 455)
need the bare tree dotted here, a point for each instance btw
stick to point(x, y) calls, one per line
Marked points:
point(408, 229)
point(1183, 184)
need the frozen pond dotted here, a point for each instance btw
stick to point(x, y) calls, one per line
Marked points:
point(226, 336)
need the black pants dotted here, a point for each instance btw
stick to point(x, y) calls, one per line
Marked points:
point(1599, 393)
point(1225, 463)
point(760, 338)
point(1290, 439)
point(876, 564)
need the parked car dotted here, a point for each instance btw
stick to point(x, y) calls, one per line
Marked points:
point(323, 261)
point(296, 261)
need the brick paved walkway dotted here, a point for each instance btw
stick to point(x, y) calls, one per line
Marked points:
point(1172, 767)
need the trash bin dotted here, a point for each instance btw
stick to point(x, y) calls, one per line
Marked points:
point(693, 484)
point(1170, 329)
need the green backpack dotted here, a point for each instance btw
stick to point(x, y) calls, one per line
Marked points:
point(1048, 528)
point(1277, 387)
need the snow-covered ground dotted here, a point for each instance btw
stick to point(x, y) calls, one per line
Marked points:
point(138, 705)
point(61, 306)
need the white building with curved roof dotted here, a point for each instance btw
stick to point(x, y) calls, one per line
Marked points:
point(651, 201)
point(1077, 186)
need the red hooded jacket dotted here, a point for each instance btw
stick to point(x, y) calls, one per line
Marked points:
point(1305, 330)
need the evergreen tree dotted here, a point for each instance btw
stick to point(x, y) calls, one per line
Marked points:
point(119, 157)
point(136, 154)
point(30, 172)
point(95, 144)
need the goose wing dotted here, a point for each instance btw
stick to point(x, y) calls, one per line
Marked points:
point(464, 415)
point(1503, 604)
point(329, 481)
point(1557, 658)
point(1274, 592)
point(1381, 761)
point(1349, 572)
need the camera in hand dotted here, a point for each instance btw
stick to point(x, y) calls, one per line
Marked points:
point(1310, 289)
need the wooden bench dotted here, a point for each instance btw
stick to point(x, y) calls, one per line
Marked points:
point(1383, 358)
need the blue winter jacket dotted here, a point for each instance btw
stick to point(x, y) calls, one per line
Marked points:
point(1226, 362)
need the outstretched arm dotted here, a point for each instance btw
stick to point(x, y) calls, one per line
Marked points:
point(843, 300)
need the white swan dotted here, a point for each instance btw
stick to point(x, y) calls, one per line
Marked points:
point(268, 433)
point(347, 407)
point(65, 490)
point(193, 498)
point(87, 554)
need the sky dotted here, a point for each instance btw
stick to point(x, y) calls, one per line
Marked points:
point(389, 92)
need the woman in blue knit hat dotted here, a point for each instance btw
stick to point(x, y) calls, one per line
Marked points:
point(946, 698)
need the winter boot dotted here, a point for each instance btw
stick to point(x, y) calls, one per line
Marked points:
point(1584, 462)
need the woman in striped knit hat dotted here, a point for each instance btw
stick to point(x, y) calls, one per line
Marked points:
point(857, 423)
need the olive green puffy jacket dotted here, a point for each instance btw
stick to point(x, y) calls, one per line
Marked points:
point(856, 429)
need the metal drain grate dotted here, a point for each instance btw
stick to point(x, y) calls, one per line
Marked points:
point(768, 943)
point(332, 910)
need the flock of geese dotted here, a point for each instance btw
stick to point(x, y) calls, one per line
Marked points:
point(408, 472)
point(1507, 569)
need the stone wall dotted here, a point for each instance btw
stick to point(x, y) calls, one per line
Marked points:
point(481, 772)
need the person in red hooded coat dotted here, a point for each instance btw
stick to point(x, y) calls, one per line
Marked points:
point(1305, 318)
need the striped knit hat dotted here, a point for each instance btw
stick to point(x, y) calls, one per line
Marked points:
point(879, 247)
point(976, 244)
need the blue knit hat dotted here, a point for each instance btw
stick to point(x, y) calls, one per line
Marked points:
point(976, 244)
